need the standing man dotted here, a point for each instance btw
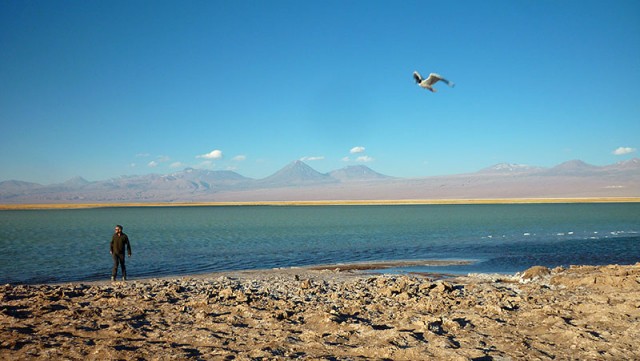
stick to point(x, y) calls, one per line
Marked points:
point(118, 242)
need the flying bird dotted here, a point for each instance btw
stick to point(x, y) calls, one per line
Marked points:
point(432, 79)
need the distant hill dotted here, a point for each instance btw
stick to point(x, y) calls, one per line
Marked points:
point(76, 182)
point(573, 167)
point(198, 179)
point(16, 184)
point(11, 187)
point(299, 181)
point(295, 174)
point(356, 173)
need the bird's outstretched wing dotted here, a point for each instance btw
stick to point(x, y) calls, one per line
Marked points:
point(417, 77)
point(434, 78)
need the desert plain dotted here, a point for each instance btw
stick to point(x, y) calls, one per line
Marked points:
point(342, 202)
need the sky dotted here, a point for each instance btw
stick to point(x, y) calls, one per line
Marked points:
point(102, 89)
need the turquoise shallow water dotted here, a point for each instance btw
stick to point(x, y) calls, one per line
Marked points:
point(73, 245)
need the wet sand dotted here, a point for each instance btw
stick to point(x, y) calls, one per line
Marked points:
point(330, 313)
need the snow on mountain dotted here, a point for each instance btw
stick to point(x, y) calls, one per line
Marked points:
point(509, 168)
point(631, 164)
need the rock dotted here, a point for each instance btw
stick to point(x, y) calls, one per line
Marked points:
point(535, 273)
point(443, 287)
point(226, 294)
point(306, 284)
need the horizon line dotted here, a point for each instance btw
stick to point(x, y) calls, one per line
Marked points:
point(382, 202)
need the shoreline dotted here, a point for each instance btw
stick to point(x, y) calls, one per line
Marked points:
point(357, 269)
point(580, 312)
point(45, 206)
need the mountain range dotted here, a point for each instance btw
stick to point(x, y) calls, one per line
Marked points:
point(297, 181)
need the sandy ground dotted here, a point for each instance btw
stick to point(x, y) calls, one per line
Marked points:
point(544, 200)
point(579, 313)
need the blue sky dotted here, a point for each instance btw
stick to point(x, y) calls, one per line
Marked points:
point(101, 89)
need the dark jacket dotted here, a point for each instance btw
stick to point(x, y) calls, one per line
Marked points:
point(118, 243)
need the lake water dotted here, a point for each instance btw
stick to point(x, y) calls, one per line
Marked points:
point(38, 246)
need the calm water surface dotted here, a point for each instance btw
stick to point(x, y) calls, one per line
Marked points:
point(73, 245)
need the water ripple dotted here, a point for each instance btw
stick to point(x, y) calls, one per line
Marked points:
point(73, 245)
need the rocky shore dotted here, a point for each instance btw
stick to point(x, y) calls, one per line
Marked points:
point(578, 313)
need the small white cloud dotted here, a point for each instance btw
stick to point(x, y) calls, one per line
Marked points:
point(240, 158)
point(177, 165)
point(163, 158)
point(624, 150)
point(214, 154)
point(142, 155)
point(152, 164)
point(346, 159)
point(364, 158)
point(132, 165)
point(355, 150)
point(304, 159)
